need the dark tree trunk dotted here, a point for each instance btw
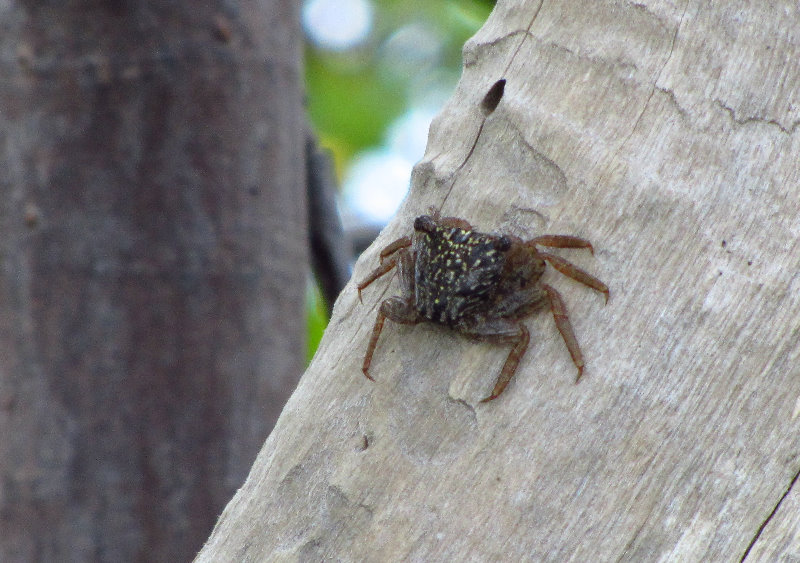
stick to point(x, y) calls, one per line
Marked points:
point(152, 237)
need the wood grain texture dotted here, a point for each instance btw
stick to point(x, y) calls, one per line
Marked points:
point(666, 134)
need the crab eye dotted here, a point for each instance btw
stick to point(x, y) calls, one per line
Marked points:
point(424, 223)
point(502, 244)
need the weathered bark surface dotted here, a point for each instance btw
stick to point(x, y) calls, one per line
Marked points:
point(152, 237)
point(667, 134)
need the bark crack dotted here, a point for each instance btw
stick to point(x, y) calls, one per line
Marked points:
point(766, 521)
point(754, 119)
point(655, 81)
point(483, 121)
point(653, 89)
point(524, 37)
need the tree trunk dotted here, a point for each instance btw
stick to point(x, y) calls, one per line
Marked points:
point(667, 135)
point(154, 267)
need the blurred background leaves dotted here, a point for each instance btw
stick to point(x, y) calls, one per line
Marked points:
point(377, 71)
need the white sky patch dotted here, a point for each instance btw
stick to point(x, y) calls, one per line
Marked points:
point(376, 184)
point(378, 179)
point(408, 135)
point(411, 49)
point(337, 25)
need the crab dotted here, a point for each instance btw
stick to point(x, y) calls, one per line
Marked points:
point(479, 284)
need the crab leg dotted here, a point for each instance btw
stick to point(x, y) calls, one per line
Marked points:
point(572, 271)
point(512, 362)
point(402, 242)
point(562, 241)
point(565, 328)
point(373, 343)
point(385, 266)
point(395, 309)
point(375, 274)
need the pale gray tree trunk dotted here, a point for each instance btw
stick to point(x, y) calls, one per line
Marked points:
point(153, 247)
point(667, 134)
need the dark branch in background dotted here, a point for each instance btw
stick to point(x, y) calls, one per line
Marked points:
point(330, 247)
point(361, 236)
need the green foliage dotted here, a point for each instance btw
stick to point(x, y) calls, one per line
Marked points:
point(350, 109)
point(316, 319)
point(354, 96)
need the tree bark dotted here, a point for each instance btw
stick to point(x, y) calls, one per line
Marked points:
point(154, 267)
point(667, 135)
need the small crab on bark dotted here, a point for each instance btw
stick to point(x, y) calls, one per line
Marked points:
point(478, 284)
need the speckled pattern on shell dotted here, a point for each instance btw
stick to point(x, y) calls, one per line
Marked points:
point(456, 272)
